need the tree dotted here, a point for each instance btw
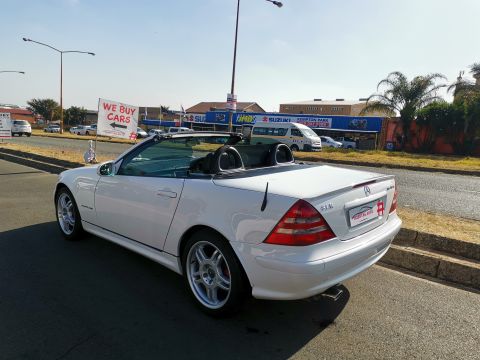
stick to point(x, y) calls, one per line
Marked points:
point(74, 115)
point(396, 94)
point(440, 119)
point(46, 108)
point(467, 97)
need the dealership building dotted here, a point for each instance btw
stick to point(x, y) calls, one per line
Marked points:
point(368, 131)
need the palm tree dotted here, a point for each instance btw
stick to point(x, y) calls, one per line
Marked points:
point(475, 70)
point(465, 88)
point(467, 97)
point(396, 94)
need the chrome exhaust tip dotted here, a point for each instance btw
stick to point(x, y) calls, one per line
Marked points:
point(334, 293)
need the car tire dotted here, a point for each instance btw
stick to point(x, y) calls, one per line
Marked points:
point(68, 216)
point(29, 134)
point(213, 274)
point(294, 147)
point(87, 133)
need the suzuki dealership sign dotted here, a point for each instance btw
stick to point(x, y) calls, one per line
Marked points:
point(117, 120)
point(5, 126)
point(197, 118)
point(327, 122)
point(310, 121)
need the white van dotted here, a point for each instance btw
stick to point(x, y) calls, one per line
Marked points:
point(296, 136)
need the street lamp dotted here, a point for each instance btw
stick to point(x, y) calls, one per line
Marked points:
point(61, 52)
point(231, 98)
point(12, 71)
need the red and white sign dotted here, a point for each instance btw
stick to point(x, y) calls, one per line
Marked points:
point(232, 102)
point(5, 126)
point(117, 120)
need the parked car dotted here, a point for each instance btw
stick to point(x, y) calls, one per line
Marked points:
point(73, 129)
point(174, 130)
point(233, 219)
point(297, 136)
point(85, 130)
point(348, 143)
point(21, 127)
point(141, 133)
point(152, 132)
point(52, 128)
point(327, 141)
point(93, 128)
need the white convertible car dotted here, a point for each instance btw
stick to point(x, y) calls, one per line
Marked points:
point(233, 218)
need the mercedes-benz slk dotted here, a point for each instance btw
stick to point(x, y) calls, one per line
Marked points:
point(233, 218)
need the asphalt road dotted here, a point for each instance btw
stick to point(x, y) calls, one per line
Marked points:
point(95, 300)
point(456, 195)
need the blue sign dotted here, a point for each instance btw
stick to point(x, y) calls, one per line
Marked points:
point(347, 123)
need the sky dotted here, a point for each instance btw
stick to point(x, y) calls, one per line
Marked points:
point(179, 52)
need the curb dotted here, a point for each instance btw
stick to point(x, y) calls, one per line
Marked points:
point(421, 240)
point(392, 166)
point(438, 257)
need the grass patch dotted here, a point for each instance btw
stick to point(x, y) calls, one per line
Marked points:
point(394, 158)
point(442, 225)
point(56, 153)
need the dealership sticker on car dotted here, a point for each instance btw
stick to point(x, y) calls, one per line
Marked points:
point(366, 212)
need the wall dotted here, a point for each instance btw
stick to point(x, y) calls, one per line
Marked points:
point(417, 138)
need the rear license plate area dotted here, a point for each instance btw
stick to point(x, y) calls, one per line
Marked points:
point(367, 212)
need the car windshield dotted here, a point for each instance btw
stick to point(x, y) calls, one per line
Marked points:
point(21, 122)
point(309, 133)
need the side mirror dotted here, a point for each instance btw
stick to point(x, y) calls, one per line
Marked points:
point(106, 169)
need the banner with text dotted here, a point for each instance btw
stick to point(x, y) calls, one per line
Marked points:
point(117, 120)
point(5, 126)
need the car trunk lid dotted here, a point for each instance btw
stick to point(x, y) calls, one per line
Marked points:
point(352, 202)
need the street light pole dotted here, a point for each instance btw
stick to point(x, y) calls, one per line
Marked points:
point(232, 99)
point(61, 52)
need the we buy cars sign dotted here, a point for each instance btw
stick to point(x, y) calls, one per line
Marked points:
point(5, 126)
point(117, 120)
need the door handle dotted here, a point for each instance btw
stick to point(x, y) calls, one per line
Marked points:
point(167, 193)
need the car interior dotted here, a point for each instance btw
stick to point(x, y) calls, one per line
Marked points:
point(179, 160)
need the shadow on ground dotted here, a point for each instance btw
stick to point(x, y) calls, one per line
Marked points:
point(93, 299)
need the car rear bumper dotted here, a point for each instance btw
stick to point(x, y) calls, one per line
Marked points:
point(280, 276)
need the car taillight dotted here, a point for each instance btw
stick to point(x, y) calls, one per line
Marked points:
point(395, 200)
point(302, 225)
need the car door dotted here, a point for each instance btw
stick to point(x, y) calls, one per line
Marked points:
point(140, 200)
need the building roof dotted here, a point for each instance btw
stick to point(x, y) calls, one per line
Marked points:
point(327, 102)
point(16, 111)
point(205, 106)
